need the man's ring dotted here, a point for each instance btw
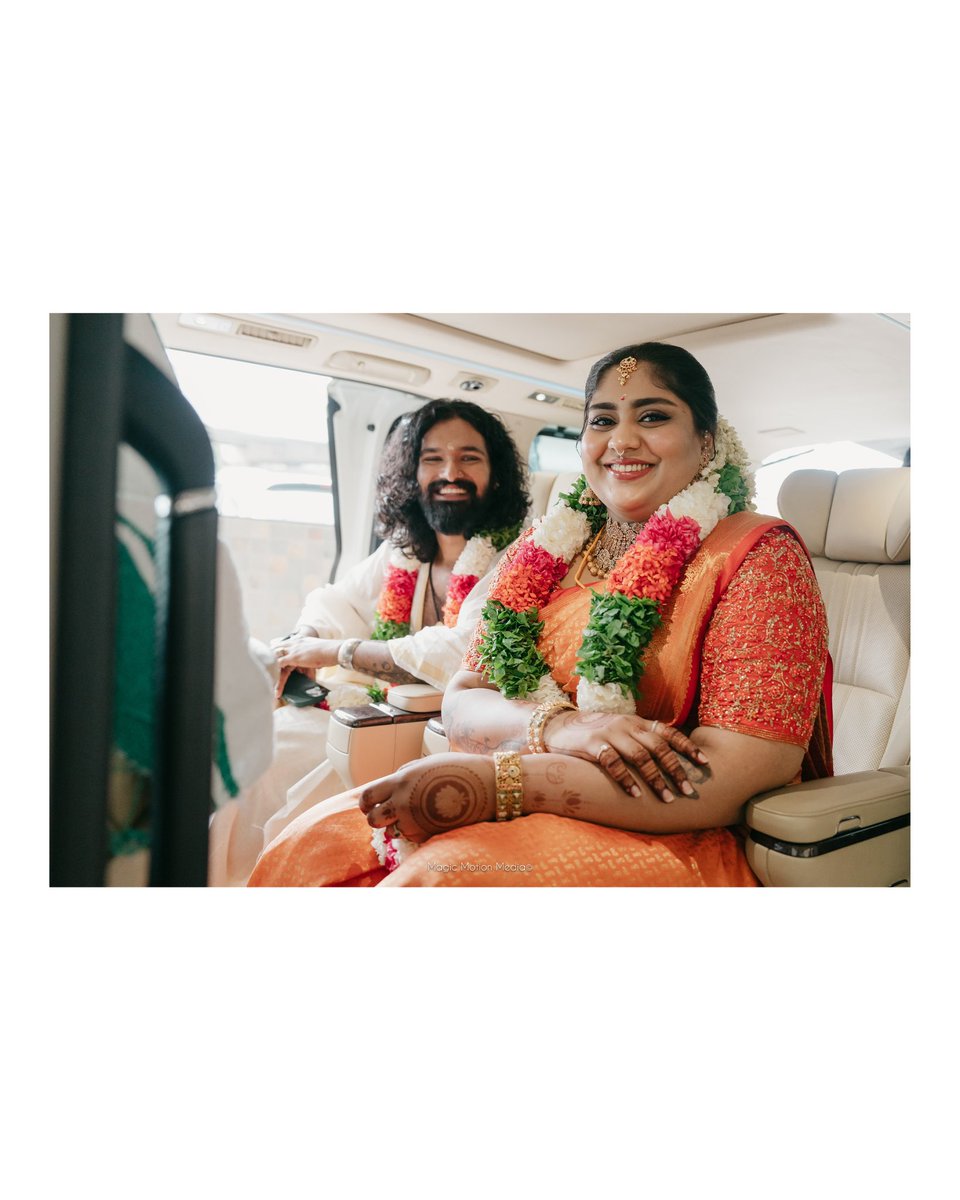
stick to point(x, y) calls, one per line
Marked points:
point(654, 727)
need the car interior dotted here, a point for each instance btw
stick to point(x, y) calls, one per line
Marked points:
point(804, 390)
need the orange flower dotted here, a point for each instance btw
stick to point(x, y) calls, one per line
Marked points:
point(647, 572)
point(396, 597)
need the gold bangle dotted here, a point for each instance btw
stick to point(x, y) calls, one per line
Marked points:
point(538, 719)
point(506, 765)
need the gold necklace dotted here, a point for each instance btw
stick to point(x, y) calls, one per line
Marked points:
point(610, 544)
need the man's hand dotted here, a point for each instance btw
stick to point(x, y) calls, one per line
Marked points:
point(305, 654)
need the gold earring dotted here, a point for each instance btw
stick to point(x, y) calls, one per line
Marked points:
point(589, 497)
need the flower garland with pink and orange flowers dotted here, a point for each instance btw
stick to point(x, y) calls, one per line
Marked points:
point(400, 582)
point(624, 615)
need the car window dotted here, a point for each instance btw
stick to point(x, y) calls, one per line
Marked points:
point(268, 426)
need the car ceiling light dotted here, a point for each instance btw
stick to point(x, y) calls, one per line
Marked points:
point(206, 321)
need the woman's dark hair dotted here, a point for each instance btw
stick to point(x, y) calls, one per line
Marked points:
point(400, 518)
point(674, 369)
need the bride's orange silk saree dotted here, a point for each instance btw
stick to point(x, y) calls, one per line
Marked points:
point(742, 644)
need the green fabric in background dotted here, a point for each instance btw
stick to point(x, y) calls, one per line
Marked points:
point(135, 662)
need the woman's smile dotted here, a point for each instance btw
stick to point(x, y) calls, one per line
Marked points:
point(640, 446)
point(628, 468)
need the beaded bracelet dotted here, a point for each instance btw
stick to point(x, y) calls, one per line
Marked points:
point(506, 765)
point(538, 719)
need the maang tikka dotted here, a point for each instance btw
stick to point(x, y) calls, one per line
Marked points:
point(626, 368)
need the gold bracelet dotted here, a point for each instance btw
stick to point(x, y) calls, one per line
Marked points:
point(506, 765)
point(538, 719)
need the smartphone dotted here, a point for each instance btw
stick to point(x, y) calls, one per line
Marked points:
point(301, 691)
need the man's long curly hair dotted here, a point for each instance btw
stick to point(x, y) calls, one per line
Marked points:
point(399, 517)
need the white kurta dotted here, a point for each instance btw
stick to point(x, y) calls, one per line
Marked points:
point(301, 774)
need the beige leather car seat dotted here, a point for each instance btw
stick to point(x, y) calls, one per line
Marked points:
point(852, 830)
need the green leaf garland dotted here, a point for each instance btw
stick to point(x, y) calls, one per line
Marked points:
point(384, 631)
point(508, 651)
point(619, 630)
point(500, 538)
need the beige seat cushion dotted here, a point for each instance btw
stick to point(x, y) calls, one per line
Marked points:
point(868, 612)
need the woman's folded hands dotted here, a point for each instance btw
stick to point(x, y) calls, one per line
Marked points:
point(630, 748)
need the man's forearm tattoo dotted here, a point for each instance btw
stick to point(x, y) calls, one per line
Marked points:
point(448, 798)
point(373, 658)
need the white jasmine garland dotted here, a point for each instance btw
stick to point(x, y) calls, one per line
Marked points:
point(347, 695)
point(476, 557)
point(391, 846)
point(562, 532)
point(604, 697)
point(701, 502)
point(729, 448)
point(547, 691)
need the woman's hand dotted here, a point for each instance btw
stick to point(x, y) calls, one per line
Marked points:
point(305, 654)
point(432, 795)
point(627, 746)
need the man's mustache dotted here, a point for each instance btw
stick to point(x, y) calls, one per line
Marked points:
point(465, 485)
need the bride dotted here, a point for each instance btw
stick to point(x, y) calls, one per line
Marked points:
point(652, 654)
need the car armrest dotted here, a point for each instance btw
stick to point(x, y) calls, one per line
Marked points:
point(415, 697)
point(822, 808)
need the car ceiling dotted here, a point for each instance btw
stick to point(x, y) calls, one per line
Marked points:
point(784, 379)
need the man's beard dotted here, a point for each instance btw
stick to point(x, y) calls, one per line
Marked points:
point(453, 516)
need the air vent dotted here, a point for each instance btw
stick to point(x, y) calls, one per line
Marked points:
point(266, 334)
point(781, 429)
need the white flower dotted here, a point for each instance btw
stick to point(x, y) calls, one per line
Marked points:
point(604, 697)
point(347, 695)
point(476, 557)
point(401, 846)
point(379, 843)
point(729, 447)
point(546, 691)
point(562, 532)
point(751, 481)
point(404, 848)
point(706, 506)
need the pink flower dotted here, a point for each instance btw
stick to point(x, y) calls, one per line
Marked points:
point(664, 530)
point(459, 588)
point(391, 861)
